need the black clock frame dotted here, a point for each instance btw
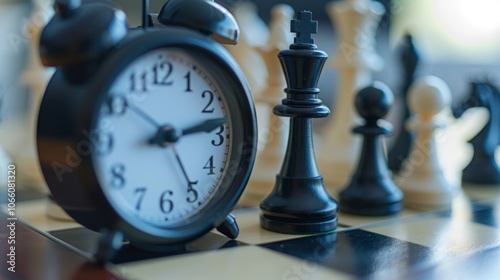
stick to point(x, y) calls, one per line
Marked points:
point(68, 115)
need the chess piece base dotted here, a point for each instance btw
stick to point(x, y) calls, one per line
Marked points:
point(299, 206)
point(298, 226)
point(371, 196)
point(427, 194)
point(370, 208)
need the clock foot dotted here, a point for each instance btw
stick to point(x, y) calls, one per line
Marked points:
point(109, 244)
point(229, 227)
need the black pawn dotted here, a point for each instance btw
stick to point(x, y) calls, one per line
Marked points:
point(401, 148)
point(299, 203)
point(371, 191)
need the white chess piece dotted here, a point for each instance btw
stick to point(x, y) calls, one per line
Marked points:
point(254, 33)
point(36, 77)
point(356, 22)
point(273, 130)
point(422, 179)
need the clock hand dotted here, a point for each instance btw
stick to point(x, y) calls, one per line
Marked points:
point(206, 126)
point(190, 188)
point(142, 114)
point(168, 134)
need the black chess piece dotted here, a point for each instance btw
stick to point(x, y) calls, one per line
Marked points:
point(483, 168)
point(401, 148)
point(371, 191)
point(299, 203)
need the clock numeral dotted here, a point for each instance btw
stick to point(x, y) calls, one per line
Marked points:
point(166, 204)
point(162, 72)
point(188, 81)
point(118, 180)
point(103, 143)
point(220, 139)
point(141, 192)
point(210, 96)
point(141, 85)
point(192, 193)
point(117, 105)
point(210, 166)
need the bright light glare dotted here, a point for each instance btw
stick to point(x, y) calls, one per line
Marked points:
point(471, 23)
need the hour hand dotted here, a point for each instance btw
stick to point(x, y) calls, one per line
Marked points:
point(206, 126)
point(168, 134)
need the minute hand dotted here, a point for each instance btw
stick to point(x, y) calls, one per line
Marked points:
point(206, 126)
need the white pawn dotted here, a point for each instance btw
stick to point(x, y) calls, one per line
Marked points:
point(421, 178)
point(254, 34)
point(355, 22)
point(273, 130)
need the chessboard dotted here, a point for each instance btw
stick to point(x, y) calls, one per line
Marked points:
point(460, 242)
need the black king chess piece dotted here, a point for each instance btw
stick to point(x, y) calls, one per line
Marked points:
point(299, 203)
point(371, 191)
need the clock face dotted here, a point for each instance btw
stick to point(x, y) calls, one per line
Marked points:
point(164, 134)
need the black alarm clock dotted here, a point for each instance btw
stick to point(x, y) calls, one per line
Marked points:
point(145, 134)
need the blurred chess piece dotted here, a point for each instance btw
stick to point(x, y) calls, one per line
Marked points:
point(272, 128)
point(483, 167)
point(422, 179)
point(35, 77)
point(5, 160)
point(356, 22)
point(400, 150)
point(254, 34)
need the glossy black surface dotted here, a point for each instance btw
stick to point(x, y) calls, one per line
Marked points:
point(299, 202)
point(355, 252)
point(204, 15)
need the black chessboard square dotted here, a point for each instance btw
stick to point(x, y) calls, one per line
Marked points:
point(87, 240)
point(356, 252)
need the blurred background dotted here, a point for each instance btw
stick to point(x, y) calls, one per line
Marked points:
point(458, 40)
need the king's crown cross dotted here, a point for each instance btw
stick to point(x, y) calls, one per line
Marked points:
point(304, 26)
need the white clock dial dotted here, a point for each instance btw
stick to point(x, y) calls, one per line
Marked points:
point(164, 138)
